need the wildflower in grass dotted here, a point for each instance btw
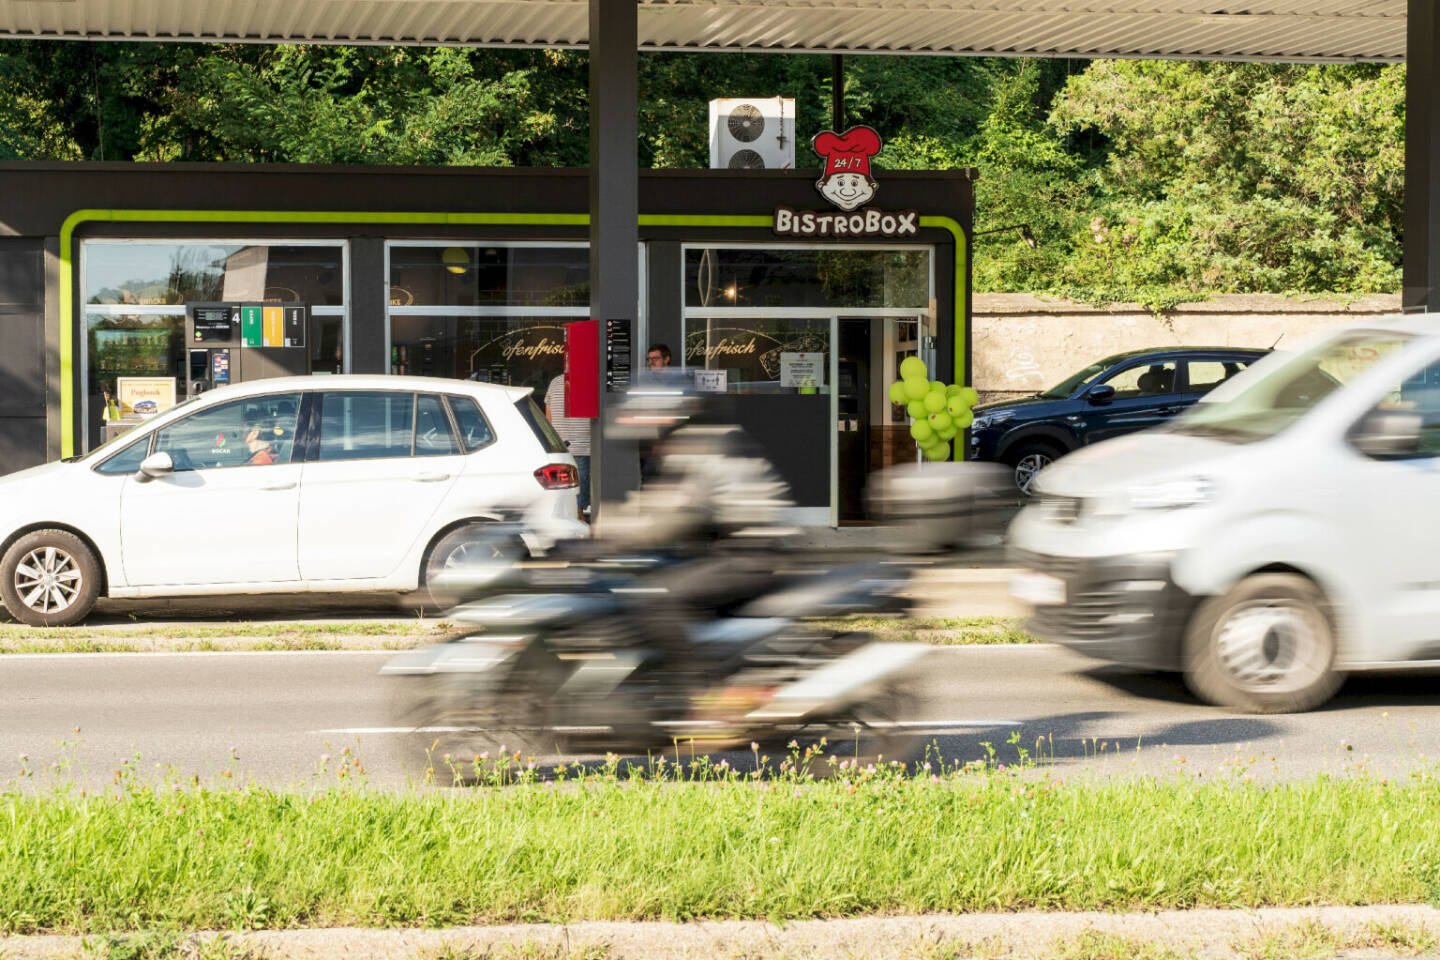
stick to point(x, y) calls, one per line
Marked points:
point(325, 757)
point(934, 778)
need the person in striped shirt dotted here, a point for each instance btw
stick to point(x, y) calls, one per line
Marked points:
point(575, 431)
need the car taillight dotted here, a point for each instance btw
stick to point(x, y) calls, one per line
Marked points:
point(557, 476)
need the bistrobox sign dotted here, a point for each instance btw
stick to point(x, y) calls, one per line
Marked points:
point(847, 182)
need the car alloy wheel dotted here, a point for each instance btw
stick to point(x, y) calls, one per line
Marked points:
point(1027, 467)
point(1273, 645)
point(48, 580)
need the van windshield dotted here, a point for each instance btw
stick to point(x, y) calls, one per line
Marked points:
point(1275, 401)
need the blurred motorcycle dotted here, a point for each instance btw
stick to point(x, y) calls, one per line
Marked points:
point(633, 652)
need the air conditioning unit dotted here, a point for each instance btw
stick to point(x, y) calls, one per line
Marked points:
point(751, 134)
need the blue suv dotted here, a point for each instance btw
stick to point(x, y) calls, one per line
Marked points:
point(1116, 396)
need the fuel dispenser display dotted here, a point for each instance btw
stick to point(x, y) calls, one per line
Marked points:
point(239, 342)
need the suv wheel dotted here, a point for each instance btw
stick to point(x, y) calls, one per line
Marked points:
point(1028, 459)
point(49, 578)
point(1266, 646)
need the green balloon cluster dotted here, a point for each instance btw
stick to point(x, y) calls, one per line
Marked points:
point(937, 412)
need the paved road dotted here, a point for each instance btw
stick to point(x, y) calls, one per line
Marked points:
point(282, 711)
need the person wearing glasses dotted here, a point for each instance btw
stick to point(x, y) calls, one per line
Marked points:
point(657, 362)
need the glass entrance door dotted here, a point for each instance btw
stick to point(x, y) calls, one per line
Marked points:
point(871, 433)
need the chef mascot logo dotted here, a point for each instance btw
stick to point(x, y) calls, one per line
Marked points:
point(847, 182)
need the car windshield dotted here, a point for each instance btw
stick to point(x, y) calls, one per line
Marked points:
point(1275, 401)
point(1067, 386)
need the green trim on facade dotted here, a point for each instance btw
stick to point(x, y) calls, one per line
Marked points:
point(69, 319)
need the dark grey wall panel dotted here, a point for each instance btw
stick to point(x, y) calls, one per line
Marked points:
point(22, 443)
point(22, 365)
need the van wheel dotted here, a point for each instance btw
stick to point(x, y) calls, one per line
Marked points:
point(49, 578)
point(1266, 646)
point(1028, 459)
point(477, 546)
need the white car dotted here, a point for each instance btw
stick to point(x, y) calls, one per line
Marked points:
point(1265, 542)
point(333, 483)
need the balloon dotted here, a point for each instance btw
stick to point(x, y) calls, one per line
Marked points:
point(934, 400)
point(916, 388)
point(937, 453)
point(917, 410)
point(940, 420)
point(897, 393)
point(956, 406)
point(948, 433)
point(951, 390)
point(936, 385)
point(963, 420)
point(922, 431)
point(970, 394)
point(912, 367)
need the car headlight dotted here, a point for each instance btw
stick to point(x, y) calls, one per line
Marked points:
point(1171, 494)
point(984, 420)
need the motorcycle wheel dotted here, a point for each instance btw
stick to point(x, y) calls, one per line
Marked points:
point(871, 733)
point(460, 735)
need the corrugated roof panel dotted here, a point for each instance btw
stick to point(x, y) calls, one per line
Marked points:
point(1227, 29)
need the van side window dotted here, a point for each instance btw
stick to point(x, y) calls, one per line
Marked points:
point(1419, 395)
point(475, 430)
point(366, 425)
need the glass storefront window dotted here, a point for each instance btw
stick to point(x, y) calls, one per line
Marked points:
point(797, 277)
point(178, 272)
point(472, 275)
point(136, 292)
point(779, 355)
point(521, 351)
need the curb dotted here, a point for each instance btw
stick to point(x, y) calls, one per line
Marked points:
point(1374, 931)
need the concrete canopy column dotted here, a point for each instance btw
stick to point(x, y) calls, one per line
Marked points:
point(614, 220)
point(1422, 151)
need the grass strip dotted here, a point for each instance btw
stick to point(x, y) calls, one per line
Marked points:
point(381, 635)
point(618, 845)
point(392, 635)
point(942, 631)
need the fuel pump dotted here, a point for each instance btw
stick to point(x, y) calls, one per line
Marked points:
point(239, 342)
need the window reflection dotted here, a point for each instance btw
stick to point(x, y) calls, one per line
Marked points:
point(783, 277)
point(460, 275)
point(178, 273)
point(521, 351)
point(761, 355)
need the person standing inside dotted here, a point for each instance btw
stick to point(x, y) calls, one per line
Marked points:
point(575, 431)
point(657, 364)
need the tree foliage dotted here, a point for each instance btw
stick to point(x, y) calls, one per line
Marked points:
point(1149, 180)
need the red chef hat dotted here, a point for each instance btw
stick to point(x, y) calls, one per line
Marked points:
point(849, 152)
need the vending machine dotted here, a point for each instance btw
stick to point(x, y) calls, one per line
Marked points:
point(239, 342)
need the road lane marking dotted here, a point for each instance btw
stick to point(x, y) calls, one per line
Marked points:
point(191, 653)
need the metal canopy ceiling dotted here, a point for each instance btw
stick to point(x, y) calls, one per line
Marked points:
point(1341, 30)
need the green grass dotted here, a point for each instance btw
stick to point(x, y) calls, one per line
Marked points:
point(399, 635)
point(943, 631)
point(620, 844)
point(383, 635)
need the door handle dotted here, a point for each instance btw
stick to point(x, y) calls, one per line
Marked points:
point(279, 486)
point(431, 477)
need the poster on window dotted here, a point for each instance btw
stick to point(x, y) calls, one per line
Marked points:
point(802, 369)
point(753, 352)
point(143, 397)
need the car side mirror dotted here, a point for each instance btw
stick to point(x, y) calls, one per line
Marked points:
point(155, 465)
point(1100, 393)
point(1384, 434)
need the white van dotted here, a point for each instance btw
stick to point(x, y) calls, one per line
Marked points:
point(1281, 533)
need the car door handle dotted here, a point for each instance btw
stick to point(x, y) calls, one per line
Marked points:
point(431, 477)
point(286, 485)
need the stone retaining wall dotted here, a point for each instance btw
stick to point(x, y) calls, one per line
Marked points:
point(1024, 343)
